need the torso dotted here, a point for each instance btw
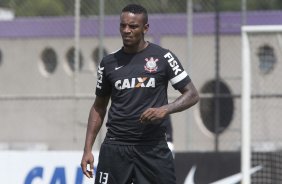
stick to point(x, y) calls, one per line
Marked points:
point(135, 82)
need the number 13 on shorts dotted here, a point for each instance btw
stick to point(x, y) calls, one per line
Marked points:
point(103, 178)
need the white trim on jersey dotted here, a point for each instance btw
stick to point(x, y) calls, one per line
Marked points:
point(178, 78)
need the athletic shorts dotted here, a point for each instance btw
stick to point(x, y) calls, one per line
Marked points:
point(138, 164)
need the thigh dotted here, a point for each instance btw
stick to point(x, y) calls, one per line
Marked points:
point(154, 164)
point(114, 165)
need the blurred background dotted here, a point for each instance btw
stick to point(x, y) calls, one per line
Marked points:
point(50, 50)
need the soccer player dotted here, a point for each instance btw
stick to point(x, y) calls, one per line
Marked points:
point(135, 78)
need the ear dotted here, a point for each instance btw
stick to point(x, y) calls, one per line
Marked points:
point(146, 28)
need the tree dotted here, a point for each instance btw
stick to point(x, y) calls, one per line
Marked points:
point(113, 7)
point(264, 4)
point(4, 3)
point(40, 8)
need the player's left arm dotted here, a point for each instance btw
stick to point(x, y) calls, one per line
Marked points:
point(189, 97)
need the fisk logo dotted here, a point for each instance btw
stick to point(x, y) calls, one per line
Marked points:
point(99, 76)
point(173, 63)
point(138, 82)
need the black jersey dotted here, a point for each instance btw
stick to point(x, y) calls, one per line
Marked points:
point(135, 83)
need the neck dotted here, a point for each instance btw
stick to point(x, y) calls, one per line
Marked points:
point(136, 48)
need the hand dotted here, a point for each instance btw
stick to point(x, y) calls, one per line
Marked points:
point(87, 158)
point(152, 115)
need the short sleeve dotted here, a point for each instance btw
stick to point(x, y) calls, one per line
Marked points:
point(178, 77)
point(103, 86)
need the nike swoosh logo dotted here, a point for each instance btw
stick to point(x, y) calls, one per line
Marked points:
point(233, 179)
point(116, 68)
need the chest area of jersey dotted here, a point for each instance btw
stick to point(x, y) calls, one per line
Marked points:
point(139, 73)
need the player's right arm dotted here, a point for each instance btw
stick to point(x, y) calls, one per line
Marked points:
point(95, 121)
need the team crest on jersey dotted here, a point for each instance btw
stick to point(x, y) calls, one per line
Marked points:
point(151, 65)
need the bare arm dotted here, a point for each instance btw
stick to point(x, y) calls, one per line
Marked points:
point(95, 121)
point(189, 97)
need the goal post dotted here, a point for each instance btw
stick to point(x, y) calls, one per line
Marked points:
point(252, 37)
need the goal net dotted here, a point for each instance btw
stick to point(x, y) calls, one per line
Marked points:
point(262, 104)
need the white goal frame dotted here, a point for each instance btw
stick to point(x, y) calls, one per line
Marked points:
point(246, 96)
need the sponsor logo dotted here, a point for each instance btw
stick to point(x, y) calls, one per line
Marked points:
point(233, 179)
point(138, 82)
point(151, 65)
point(38, 175)
point(173, 63)
point(99, 76)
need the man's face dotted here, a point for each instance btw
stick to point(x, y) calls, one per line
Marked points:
point(132, 28)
